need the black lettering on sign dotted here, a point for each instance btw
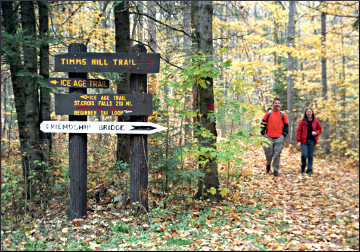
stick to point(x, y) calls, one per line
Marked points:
point(103, 104)
point(108, 62)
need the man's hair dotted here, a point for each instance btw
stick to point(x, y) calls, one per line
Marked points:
point(312, 116)
point(276, 99)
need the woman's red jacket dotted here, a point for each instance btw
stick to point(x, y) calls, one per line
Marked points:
point(301, 133)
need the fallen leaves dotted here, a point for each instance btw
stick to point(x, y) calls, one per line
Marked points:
point(291, 212)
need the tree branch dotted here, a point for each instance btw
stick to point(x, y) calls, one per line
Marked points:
point(157, 21)
point(164, 59)
point(97, 23)
point(327, 13)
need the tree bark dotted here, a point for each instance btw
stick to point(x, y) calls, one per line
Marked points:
point(24, 80)
point(151, 11)
point(32, 148)
point(187, 52)
point(290, 80)
point(324, 80)
point(45, 99)
point(122, 40)
point(201, 20)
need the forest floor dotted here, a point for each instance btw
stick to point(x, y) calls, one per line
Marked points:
point(260, 212)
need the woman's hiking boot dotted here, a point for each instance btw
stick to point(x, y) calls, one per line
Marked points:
point(267, 168)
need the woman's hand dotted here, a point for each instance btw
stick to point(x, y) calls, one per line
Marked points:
point(313, 133)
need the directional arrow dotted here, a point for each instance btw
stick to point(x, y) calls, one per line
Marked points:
point(85, 96)
point(54, 82)
point(140, 128)
point(144, 128)
point(148, 62)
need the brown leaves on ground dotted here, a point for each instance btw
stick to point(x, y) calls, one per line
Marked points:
point(291, 212)
point(321, 211)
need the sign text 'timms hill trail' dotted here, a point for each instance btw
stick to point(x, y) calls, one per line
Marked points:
point(107, 62)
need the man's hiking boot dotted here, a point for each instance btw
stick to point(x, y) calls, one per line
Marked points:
point(267, 168)
point(276, 173)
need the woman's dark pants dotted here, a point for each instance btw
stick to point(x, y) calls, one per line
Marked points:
point(307, 153)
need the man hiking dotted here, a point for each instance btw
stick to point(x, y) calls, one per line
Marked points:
point(274, 126)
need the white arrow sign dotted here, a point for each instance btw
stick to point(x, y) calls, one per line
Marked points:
point(100, 127)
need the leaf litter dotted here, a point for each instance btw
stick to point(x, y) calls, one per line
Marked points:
point(260, 212)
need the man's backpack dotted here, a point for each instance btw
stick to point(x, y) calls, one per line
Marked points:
point(264, 123)
point(281, 113)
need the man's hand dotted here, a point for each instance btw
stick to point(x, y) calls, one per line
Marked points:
point(313, 133)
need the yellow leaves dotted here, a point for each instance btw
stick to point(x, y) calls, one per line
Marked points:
point(64, 230)
point(254, 38)
point(53, 115)
point(224, 191)
point(212, 191)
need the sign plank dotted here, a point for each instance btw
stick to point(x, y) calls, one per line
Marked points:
point(100, 127)
point(103, 104)
point(108, 62)
point(78, 83)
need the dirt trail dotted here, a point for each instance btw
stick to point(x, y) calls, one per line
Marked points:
point(320, 211)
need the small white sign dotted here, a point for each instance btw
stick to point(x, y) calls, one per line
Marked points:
point(100, 127)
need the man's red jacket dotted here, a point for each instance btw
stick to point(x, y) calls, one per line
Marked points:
point(302, 130)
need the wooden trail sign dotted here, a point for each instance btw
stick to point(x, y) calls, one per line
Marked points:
point(100, 127)
point(108, 62)
point(103, 104)
point(78, 83)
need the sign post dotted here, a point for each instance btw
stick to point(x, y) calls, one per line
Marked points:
point(138, 146)
point(77, 152)
point(78, 105)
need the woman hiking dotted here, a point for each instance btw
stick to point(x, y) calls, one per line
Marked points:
point(307, 136)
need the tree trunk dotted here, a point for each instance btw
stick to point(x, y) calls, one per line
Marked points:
point(24, 81)
point(186, 50)
point(324, 80)
point(152, 85)
point(122, 40)
point(45, 99)
point(290, 80)
point(201, 20)
point(343, 93)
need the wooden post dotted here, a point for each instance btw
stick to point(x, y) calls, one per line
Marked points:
point(77, 153)
point(138, 145)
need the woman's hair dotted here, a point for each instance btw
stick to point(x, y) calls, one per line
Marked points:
point(313, 115)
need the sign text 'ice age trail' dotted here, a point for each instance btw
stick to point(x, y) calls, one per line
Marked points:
point(103, 104)
point(78, 83)
point(107, 62)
